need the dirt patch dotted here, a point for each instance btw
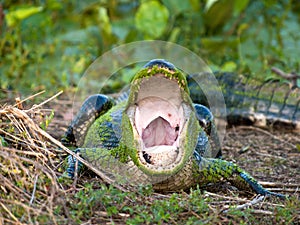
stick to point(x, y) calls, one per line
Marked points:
point(270, 156)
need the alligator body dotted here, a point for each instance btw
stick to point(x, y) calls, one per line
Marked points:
point(271, 104)
point(159, 135)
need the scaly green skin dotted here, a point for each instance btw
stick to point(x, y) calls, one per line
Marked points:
point(110, 145)
point(270, 104)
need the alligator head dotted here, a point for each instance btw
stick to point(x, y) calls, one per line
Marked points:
point(162, 124)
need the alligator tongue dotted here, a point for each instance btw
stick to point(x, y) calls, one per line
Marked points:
point(159, 132)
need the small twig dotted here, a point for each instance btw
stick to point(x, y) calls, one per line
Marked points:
point(288, 76)
point(265, 132)
point(283, 190)
point(31, 153)
point(26, 207)
point(13, 187)
point(34, 190)
point(44, 102)
point(4, 220)
point(195, 214)
point(9, 212)
point(276, 184)
point(248, 204)
point(271, 156)
point(264, 212)
point(29, 144)
point(30, 97)
point(225, 197)
point(292, 77)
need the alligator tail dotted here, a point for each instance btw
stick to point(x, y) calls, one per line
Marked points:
point(272, 103)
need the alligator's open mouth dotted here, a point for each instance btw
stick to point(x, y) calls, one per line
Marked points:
point(158, 123)
point(159, 119)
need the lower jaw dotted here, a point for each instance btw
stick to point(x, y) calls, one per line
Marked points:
point(162, 155)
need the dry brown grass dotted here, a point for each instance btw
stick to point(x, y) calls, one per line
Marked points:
point(29, 162)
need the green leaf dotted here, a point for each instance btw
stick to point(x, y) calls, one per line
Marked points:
point(209, 4)
point(177, 6)
point(13, 17)
point(229, 66)
point(104, 20)
point(3, 142)
point(151, 19)
point(239, 6)
point(242, 27)
point(48, 119)
point(54, 4)
point(174, 34)
point(217, 13)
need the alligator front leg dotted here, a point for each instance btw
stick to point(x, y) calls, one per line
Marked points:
point(100, 158)
point(103, 159)
point(206, 121)
point(110, 165)
point(72, 168)
point(214, 170)
point(93, 107)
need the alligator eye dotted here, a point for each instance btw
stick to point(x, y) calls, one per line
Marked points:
point(177, 128)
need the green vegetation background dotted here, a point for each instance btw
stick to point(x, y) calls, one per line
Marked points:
point(47, 45)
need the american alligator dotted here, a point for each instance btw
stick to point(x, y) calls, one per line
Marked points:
point(156, 135)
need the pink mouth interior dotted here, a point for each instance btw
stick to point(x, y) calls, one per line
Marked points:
point(159, 132)
point(158, 122)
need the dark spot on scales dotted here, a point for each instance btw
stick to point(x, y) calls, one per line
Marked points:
point(146, 157)
point(176, 129)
